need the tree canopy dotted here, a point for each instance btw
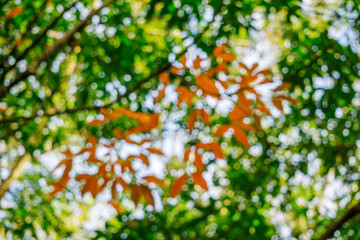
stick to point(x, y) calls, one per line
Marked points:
point(132, 119)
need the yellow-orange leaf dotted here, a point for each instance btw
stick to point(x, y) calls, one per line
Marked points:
point(199, 180)
point(154, 180)
point(14, 12)
point(177, 186)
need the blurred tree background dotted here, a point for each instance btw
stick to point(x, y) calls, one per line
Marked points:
point(159, 86)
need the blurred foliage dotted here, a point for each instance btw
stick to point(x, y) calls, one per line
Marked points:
point(300, 173)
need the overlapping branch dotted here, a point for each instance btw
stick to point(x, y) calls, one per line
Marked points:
point(339, 222)
point(51, 50)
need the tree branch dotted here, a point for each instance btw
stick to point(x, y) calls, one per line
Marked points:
point(312, 61)
point(338, 222)
point(13, 47)
point(51, 50)
point(126, 94)
point(15, 174)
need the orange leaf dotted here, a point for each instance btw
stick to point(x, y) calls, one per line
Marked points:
point(183, 59)
point(177, 186)
point(192, 120)
point(115, 205)
point(93, 140)
point(164, 77)
point(118, 133)
point(245, 67)
point(174, 70)
point(241, 137)
point(160, 95)
point(213, 147)
point(207, 84)
point(227, 57)
point(199, 180)
point(219, 50)
point(128, 166)
point(92, 158)
point(147, 195)
point(144, 159)
point(238, 113)
point(82, 177)
point(221, 130)
point(289, 99)
point(198, 162)
point(278, 103)
point(135, 194)
point(196, 63)
point(114, 193)
point(145, 140)
point(211, 72)
point(222, 68)
point(205, 116)
point(283, 86)
point(254, 67)
point(124, 184)
point(154, 180)
point(96, 122)
point(14, 12)
point(265, 72)
point(245, 126)
point(155, 151)
point(91, 186)
point(266, 80)
point(187, 154)
point(185, 94)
